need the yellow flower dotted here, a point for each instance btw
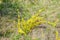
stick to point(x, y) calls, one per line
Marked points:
point(57, 37)
point(19, 25)
point(56, 34)
point(52, 23)
point(41, 9)
point(21, 31)
point(38, 12)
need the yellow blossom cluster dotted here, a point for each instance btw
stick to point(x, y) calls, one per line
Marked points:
point(57, 37)
point(25, 26)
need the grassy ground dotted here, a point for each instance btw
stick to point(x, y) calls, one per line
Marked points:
point(8, 26)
